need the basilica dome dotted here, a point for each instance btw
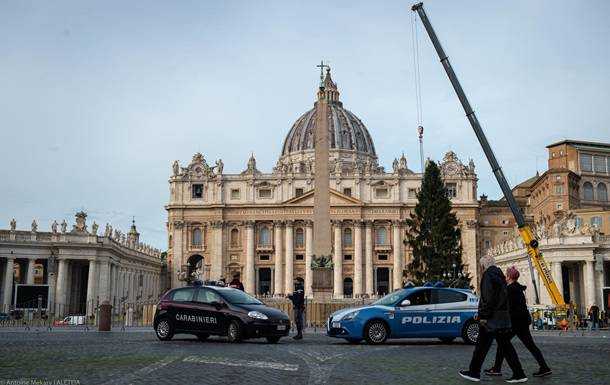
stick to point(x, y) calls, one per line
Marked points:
point(345, 132)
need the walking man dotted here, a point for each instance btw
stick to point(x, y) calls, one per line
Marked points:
point(594, 317)
point(494, 323)
point(520, 319)
point(298, 305)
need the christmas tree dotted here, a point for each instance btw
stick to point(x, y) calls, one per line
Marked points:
point(434, 235)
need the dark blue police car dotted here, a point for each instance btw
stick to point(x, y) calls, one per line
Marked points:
point(204, 310)
point(416, 312)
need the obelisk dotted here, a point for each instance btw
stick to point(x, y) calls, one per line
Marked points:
point(321, 210)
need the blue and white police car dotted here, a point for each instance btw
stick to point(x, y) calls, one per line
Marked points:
point(415, 312)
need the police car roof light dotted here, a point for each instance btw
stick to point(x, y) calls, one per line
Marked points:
point(439, 284)
point(197, 282)
point(428, 284)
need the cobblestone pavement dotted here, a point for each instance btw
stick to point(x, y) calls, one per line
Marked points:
point(137, 357)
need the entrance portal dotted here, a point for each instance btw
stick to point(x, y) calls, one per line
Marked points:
point(195, 268)
point(383, 281)
point(264, 281)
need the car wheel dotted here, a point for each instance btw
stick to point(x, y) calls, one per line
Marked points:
point(375, 332)
point(447, 340)
point(202, 336)
point(164, 329)
point(273, 340)
point(470, 332)
point(234, 331)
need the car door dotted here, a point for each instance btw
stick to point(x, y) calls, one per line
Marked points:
point(449, 308)
point(210, 319)
point(180, 308)
point(414, 318)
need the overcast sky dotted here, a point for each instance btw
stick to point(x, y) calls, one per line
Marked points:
point(98, 98)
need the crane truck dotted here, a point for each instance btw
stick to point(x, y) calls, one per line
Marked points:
point(530, 241)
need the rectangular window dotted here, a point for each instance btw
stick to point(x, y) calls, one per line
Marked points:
point(451, 190)
point(381, 192)
point(298, 191)
point(264, 257)
point(382, 257)
point(347, 257)
point(264, 193)
point(299, 257)
point(599, 164)
point(487, 244)
point(412, 193)
point(347, 191)
point(197, 191)
point(586, 162)
point(235, 193)
point(558, 189)
point(505, 233)
point(596, 222)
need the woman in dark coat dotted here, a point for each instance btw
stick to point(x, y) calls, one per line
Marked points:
point(520, 319)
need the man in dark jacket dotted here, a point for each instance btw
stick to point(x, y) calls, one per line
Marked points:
point(520, 319)
point(236, 283)
point(494, 323)
point(298, 306)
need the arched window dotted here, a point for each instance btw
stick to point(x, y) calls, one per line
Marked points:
point(234, 237)
point(264, 236)
point(299, 238)
point(602, 192)
point(381, 236)
point(197, 237)
point(347, 237)
point(348, 287)
point(587, 190)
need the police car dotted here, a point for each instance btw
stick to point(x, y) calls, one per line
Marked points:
point(416, 312)
point(210, 309)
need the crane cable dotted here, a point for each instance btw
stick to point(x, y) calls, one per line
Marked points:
point(418, 98)
point(416, 69)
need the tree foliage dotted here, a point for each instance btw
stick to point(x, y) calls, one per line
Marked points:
point(433, 233)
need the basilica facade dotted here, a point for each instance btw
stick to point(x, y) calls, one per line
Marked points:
point(259, 224)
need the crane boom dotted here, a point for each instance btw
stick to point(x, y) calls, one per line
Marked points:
point(524, 229)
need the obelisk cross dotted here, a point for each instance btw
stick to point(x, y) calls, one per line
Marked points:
point(322, 66)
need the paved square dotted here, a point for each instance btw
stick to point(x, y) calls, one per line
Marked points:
point(137, 357)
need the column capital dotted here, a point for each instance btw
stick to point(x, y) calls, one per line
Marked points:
point(308, 223)
point(397, 222)
point(178, 224)
point(367, 223)
point(278, 223)
point(336, 222)
point(249, 224)
point(289, 223)
point(218, 224)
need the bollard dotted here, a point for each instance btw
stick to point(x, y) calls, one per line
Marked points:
point(105, 317)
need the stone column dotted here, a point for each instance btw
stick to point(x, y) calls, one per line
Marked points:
point(62, 281)
point(358, 259)
point(30, 276)
point(216, 252)
point(104, 281)
point(91, 287)
point(557, 276)
point(289, 273)
point(308, 259)
point(337, 261)
point(278, 277)
point(249, 279)
point(7, 288)
point(589, 280)
point(177, 253)
point(368, 257)
point(397, 256)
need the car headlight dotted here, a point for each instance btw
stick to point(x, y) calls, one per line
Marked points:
point(257, 315)
point(350, 316)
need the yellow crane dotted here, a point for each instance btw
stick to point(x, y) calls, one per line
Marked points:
point(524, 229)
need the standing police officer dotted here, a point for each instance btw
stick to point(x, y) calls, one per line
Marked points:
point(298, 305)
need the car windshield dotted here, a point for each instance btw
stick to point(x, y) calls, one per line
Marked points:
point(390, 299)
point(238, 297)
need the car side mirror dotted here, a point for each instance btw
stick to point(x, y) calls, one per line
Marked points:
point(405, 303)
